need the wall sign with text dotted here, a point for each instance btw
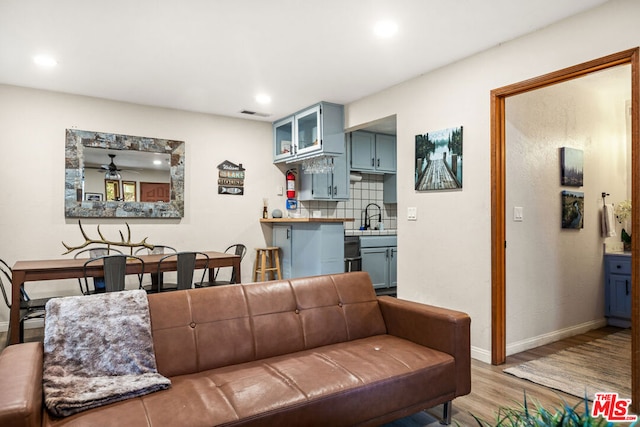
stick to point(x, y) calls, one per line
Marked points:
point(230, 178)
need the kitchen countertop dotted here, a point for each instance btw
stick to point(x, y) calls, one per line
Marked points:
point(285, 220)
point(627, 253)
point(389, 232)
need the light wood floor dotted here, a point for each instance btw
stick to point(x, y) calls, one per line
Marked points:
point(490, 387)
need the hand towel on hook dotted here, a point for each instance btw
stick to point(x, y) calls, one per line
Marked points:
point(608, 221)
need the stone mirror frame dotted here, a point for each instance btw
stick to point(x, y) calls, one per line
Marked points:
point(76, 207)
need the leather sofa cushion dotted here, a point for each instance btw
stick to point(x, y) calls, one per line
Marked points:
point(311, 387)
point(207, 328)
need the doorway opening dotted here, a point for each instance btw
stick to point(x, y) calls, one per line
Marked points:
point(498, 197)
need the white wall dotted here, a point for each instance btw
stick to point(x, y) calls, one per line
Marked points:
point(32, 137)
point(445, 255)
point(554, 276)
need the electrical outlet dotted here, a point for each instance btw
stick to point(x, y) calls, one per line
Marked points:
point(412, 214)
point(279, 190)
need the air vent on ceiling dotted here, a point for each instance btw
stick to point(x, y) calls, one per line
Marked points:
point(254, 113)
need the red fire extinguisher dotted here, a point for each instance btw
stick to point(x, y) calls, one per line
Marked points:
point(291, 184)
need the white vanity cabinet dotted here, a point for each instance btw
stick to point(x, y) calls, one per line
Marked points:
point(315, 131)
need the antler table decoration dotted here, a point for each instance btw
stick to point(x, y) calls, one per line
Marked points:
point(126, 243)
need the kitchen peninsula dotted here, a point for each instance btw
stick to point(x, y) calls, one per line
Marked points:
point(309, 246)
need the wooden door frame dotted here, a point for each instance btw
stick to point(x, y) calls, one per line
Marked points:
point(498, 197)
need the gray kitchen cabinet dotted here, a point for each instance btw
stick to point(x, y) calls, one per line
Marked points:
point(375, 262)
point(385, 153)
point(393, 267)
point(309, 249)
point(373, 152)
point(389, 188)
point(327, 186)
point(617, 295)
point(283, 148)
point(380, 259)
point(314, 131)
point(362, 151)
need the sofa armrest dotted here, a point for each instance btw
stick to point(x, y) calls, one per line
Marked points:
point(21, 391)
point(434, 327)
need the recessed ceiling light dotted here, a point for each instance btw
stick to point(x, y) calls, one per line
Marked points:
point(45, 61)
point(385, 29)
point(157, 162)
point(263, 98)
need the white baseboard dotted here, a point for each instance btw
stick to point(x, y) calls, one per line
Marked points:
point(484, 356)
point(481, 354)
point(554, 336)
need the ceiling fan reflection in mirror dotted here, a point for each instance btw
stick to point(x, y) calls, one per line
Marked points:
point(112, 171)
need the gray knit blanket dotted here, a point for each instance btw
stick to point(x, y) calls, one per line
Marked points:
point(98, 350)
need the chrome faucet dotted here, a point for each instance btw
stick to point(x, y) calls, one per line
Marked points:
point(367, 217)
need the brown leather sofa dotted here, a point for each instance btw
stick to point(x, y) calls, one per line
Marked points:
point(318, 351)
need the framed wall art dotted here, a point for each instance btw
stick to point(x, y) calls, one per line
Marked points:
point(129, 193)
point(571, 167)
point(112, 189)
point(93, 197)
point(438, 161)
point(572, 209)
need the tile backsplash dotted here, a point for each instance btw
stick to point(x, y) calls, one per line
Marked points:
point(368, 190)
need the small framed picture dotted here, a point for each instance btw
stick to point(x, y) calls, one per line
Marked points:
point(572, 209)
point(285, 147)
point(93, 197)
point(129, 191)
point(571, 167)
point(112, 189)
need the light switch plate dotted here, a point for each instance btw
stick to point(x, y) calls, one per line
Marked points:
point(518, 213)
point(412, 214)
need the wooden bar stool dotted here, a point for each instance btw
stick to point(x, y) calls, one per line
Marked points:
point(272, 253)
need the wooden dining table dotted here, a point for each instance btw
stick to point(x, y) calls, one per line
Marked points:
point(68, 268)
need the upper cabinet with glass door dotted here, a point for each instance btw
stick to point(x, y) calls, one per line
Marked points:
point(308, 131)
point(283, 140)
point(314, 131)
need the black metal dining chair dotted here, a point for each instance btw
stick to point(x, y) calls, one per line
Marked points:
point(157, 250)
point(185, 270)
point(238, 249)
point(95, 252)
point(156, 278)
point(114, 271)
point(29, 308)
